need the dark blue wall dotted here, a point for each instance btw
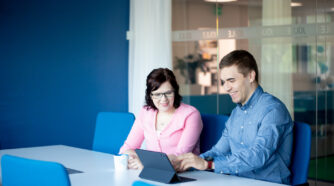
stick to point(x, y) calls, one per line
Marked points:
point(61, 62)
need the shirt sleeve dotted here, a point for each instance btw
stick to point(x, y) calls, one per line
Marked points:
point(265, 144)
point(136, 135)
point(192, 130)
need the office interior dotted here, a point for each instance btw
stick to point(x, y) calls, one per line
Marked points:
point(62, 62)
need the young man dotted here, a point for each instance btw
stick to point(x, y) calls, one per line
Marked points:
point(257, 140)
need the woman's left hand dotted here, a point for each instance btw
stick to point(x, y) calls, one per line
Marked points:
point(134, 163)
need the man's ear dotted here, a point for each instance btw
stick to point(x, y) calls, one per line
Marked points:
point(252, 75)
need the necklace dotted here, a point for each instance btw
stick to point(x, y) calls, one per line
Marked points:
point(160, 126)
point(162, 120)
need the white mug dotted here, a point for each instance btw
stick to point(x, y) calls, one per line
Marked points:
point(121, 162)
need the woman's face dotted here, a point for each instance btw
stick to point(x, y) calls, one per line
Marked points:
point(163, 97)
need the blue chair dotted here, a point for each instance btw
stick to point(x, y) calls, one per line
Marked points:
point(17, 171)
point(112, 129)
point(141, 183)
point(213, 126)
point(301, 153)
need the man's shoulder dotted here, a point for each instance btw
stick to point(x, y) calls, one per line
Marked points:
point(269, 103)
point(270, 100)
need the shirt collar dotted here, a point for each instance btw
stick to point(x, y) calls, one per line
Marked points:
point(253, 99)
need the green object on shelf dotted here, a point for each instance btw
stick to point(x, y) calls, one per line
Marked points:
point(325, 168)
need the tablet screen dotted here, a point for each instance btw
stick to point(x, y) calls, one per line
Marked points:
point(157, 167)
point(157, 160)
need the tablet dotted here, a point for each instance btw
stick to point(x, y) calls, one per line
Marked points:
point(157, 167)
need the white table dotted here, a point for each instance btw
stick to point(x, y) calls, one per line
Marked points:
point(98, 168)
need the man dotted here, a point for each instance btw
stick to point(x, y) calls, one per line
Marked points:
point(257, 140)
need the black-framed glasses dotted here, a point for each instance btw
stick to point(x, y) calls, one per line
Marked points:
point(168, 94)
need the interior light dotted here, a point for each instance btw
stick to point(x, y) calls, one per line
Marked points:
point(295, 4)
point(219, 1)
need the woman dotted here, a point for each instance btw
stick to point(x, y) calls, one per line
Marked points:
point(166, 124)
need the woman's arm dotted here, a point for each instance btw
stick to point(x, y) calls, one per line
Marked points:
point(192, 130)
point(136, 135)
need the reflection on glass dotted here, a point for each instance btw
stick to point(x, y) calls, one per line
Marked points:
point(292, 42)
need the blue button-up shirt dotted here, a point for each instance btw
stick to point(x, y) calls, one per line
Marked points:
point(257, 140)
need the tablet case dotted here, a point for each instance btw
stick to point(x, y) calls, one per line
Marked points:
point(157, 167)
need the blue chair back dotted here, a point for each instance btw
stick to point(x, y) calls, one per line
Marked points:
point(301, 153)
point(213, 126)
point(112, 129)
point(17, 171)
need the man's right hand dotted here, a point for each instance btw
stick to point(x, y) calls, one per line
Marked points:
point(190, 160)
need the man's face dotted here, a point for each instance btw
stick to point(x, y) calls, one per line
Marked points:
point(236, 84)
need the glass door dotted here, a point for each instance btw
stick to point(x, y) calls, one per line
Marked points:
point(291, 41)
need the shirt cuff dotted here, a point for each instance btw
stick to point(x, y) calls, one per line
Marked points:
point(223, 167)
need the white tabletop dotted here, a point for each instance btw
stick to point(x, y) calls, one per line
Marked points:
point(98, 168)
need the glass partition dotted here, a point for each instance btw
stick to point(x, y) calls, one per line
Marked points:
point(292, 43)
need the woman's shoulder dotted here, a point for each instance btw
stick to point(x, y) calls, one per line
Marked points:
point(146, 109)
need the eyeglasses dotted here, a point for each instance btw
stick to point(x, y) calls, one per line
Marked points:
point(168, 94)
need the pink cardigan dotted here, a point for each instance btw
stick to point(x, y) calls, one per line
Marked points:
point(180, 136)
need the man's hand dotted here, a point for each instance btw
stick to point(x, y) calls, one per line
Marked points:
point(175, 161)
point(190, 160)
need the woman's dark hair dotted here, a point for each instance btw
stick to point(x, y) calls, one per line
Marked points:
point(244, 61)
point(155, 79)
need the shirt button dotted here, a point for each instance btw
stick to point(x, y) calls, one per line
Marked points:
point(236, 171)
point(242, 127)
point(242, 143)
point(245, 111)
point(221, 172)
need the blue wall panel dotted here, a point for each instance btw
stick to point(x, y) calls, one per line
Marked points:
point(61, 62)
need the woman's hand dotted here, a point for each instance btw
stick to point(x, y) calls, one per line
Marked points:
point(133, 161)
point(130, 152)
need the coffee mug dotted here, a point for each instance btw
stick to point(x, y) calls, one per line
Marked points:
point(121, 162)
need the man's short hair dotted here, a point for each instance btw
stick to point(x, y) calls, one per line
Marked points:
point(243, 60)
